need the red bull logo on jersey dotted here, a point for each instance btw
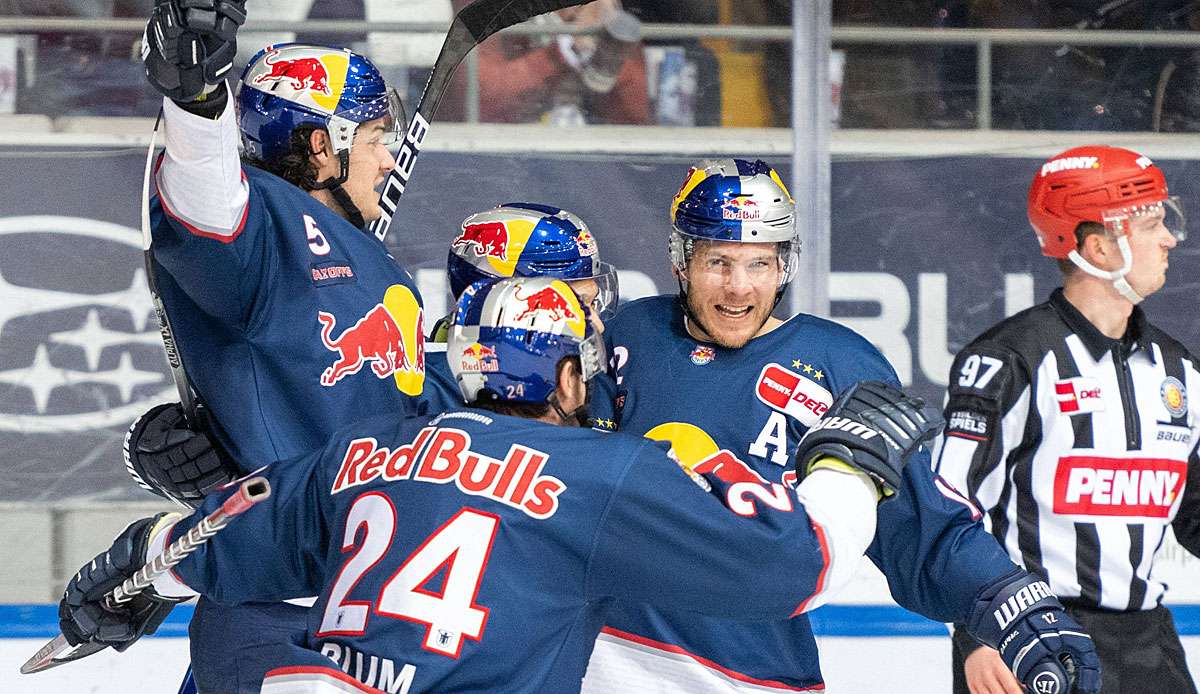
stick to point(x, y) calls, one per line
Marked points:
point(444, 456)
point(741, 209)
point(388, 338)
point(702, 355)
point(792, 394)
point(301, 74)
point(1140, 487)
point(484, 239)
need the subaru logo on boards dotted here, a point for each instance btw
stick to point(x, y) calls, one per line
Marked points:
point(79, 344)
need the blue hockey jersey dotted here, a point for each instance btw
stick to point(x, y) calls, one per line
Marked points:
point(479, 552)
point(757, 402)
point(292, 323)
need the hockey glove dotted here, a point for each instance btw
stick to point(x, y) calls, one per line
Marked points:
point(1044, 647)
point(189, 45)
point(167, 458)
point(873, 428)
point(83, 615)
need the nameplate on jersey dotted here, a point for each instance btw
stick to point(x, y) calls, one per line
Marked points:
point(1080, 395)
point(444, 456)
point(793, 394)
point(332, 272)
point(1096, 486)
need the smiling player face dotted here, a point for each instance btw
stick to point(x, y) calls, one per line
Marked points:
point(731, 290)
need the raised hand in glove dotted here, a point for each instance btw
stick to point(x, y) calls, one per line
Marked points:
point(1040, 643)
point(189, 45)
point(165, 456)
point(873, 428)
point(83, 615)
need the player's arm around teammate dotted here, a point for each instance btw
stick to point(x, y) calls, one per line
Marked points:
point(641, 544)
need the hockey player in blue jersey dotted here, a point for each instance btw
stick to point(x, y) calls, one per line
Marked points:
point(479, 550)
point(290, 319)
point(710, 369)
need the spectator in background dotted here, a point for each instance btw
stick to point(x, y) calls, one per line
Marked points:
point(567, 80)
point(683, 74)
point(84, 74)
point(1106, 88)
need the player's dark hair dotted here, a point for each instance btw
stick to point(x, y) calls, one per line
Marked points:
point(524, 410)
point(295, 166)
point(1082, 231)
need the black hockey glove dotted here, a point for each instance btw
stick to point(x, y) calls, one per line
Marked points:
point(872, 427)
point(1043, 646)
point(190, 45)
point(82, 613)
point(167, 458)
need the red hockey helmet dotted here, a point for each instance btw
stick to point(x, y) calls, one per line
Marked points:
point(1094, 183)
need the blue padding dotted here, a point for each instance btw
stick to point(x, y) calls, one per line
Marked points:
point(41, 621)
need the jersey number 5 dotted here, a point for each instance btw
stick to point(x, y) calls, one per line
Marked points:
point(462, 545)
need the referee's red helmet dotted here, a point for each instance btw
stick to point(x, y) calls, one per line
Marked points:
point(1094, 183)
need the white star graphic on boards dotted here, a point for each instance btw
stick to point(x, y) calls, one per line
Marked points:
point(25, 301)
point(40, 377)
point(124, 377)
point(94, 338)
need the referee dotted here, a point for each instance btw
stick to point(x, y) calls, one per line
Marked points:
point(1071, 427)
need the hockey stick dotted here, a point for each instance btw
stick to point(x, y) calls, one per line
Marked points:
point(470, 27)
point(186, 396)
point(58, 650)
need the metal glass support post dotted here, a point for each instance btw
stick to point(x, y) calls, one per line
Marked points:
point(812, 23)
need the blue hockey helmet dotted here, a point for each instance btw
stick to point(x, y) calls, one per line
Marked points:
point(520, 239)
point(734, 200)
point(508, 336)
point(292, 84)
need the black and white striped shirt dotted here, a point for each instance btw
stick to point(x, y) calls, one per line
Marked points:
point(1078, 448)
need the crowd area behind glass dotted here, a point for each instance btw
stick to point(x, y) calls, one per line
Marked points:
point(614, 76)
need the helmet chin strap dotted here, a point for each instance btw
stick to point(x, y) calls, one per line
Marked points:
point(334, 186)
point(1117, 276)
point(580, 414)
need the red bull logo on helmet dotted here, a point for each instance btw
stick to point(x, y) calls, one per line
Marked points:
point(484, 239)
point(548, 300)
point(300, 74)
point(477, 358)
point(388, 338)
point(740, 209)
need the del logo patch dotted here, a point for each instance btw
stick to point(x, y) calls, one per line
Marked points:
point(1078, 396)
point(792, 394)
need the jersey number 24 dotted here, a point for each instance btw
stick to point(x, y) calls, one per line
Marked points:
point(462, 545)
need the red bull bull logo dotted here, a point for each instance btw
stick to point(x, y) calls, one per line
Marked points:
point(740, 209)
point(586, 243)
point(301, 74)
point(485, 239)
point(477, 358)
point(548, 300)
point(375, 339)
